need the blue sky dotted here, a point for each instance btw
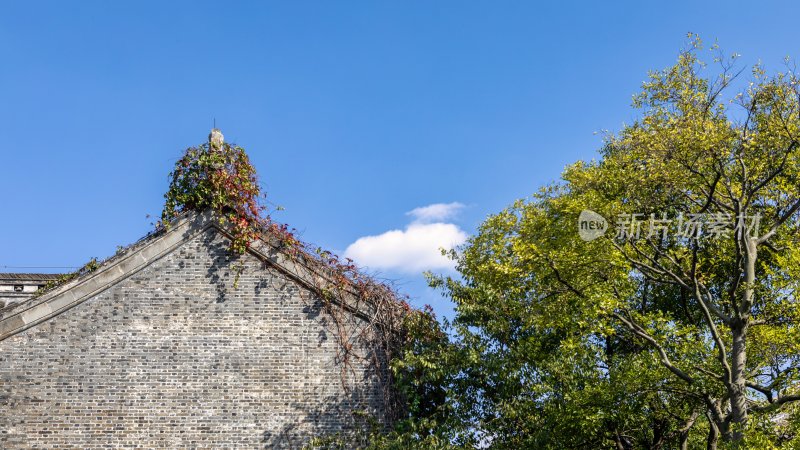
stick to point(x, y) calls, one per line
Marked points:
point(357, 115)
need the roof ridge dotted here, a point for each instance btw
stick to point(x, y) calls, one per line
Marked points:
point(154, 246)
point(108, 273)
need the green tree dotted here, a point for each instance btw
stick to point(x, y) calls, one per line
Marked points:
point(644, 339)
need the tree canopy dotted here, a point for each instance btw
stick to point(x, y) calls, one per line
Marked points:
point(675, 328)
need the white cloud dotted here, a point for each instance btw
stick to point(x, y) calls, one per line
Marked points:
point(436, 212)
point(417, 247)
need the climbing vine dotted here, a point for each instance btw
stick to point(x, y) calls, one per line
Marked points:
point(218, 176)
point(89, 267)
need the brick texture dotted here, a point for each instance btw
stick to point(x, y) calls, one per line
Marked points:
point(175, 357)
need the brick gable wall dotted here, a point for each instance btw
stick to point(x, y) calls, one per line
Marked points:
point(175, 357)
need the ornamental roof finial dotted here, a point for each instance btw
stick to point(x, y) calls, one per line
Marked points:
point(216, 139)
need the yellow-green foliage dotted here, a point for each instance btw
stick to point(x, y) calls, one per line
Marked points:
point(629, 343)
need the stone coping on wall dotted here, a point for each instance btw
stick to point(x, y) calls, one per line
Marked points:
point(149, 250)
point(108, 274)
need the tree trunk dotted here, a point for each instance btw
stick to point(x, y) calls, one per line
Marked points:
point(713, 435)
point(618, 441)
point(684, 440)
point(738, 389)
point(683, 437)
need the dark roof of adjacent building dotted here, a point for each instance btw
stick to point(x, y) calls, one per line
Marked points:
point(16, 278)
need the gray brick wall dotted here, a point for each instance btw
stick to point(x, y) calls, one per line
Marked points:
point(175, 357)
